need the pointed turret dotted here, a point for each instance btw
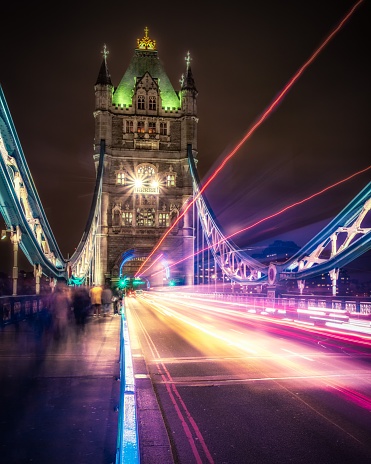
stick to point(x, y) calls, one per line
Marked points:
point(188, 89)
point(104, 77)
point(188, 83)
point(103, 101)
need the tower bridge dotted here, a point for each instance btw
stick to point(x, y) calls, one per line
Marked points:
point(149, 217)
point(148, 192)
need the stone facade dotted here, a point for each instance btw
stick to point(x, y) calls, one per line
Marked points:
point(147, 128)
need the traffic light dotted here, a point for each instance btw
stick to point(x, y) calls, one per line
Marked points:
point(124, 282)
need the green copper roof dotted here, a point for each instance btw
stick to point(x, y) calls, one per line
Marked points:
point(145, 61)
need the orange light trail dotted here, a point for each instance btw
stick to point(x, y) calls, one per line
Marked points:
point(283, 210)
point(260, 120)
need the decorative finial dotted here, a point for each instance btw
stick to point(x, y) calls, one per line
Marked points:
point(105, 52)
point(188, 60)
point(146, 43)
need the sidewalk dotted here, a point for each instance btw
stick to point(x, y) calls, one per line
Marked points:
point(58, 400)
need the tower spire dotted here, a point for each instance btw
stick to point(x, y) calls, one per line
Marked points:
point(105, 52)
point(188, 60)
point(187, 81)
point(104, 77)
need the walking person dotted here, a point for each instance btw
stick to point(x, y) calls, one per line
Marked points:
point(60, 306)
point(107, 299)
point(117, 298)
point(81, 306)
point(95, 294)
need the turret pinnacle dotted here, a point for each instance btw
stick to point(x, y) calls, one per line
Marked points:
point(104, 77)
point(188, 82)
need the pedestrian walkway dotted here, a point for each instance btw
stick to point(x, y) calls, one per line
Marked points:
point(59, 397)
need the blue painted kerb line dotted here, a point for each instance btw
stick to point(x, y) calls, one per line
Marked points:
point(127, 451)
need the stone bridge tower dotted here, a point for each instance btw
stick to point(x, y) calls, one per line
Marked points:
point(146, 126)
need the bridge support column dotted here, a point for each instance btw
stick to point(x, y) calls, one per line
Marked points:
point(15, 237)
point(334, 274)
point(301, 286)
point(37, 272)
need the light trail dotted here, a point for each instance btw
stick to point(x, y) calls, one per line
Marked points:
point(155, 261)
point(283, 210)
point(260, 120)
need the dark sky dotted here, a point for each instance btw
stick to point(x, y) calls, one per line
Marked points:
point(242, 57)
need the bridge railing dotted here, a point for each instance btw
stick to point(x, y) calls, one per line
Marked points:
point(340, 307)
point(17, 308)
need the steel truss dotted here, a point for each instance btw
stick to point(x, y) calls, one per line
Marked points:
point(346, 238)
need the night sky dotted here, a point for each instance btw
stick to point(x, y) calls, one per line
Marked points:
point(242, 57)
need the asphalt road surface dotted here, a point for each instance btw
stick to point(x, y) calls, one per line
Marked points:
point(236, 388)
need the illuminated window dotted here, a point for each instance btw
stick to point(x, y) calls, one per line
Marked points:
point(146, 171)
point(163, 128)
point(163, 219)
point(140, 127)
point(145, 217)
point(152, 128)
point(127, 218)
point(129, 127)
point(146, 182)
point(170, 180)
point(152, 103)
point(120, 179)
point(141, 102)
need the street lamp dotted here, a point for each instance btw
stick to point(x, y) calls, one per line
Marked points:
point(15, 238)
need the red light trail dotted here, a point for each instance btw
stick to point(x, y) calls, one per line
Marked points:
point(260, 120)
point(283, 210)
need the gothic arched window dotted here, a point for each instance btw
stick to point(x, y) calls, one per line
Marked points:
point(152, 103)
point(129, 127)
point(146, 170)
point(170, 177)
point(127, 218)
point(163, 128)
point(140, 127)
point(170, 180)
point(120, 178)
point(141, 102)
point(163, 219)
point(152, 128)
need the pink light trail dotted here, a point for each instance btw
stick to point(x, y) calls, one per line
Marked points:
point(260, 120)
point(283, 210)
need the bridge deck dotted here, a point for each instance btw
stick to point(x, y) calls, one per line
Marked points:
point(59, 398)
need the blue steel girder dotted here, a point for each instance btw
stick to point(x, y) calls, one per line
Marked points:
point(344, 239)
point(20, 204)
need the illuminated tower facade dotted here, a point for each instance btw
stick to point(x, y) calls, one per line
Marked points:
point(146, 126)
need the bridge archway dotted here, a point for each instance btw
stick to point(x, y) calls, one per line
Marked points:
point(128, 263)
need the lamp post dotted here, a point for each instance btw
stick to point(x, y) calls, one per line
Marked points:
point(37, 270)
point(15, 238)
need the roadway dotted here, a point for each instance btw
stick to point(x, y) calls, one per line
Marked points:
point(238, 388)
